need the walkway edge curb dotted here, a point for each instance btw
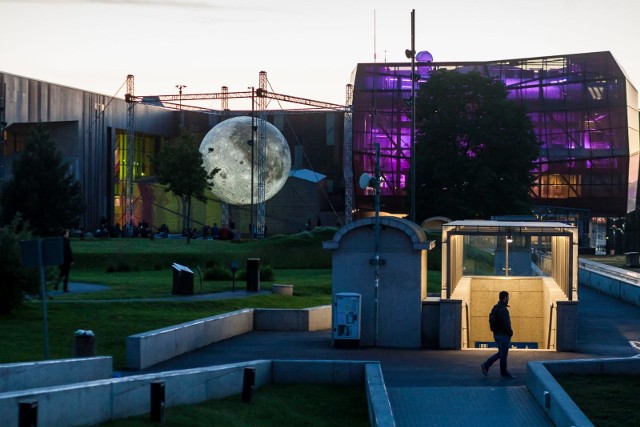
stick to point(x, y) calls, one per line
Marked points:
point(554, 400)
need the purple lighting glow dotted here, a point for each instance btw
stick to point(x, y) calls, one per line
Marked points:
point(577, 105)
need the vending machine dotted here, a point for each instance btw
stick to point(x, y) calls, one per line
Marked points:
point(346, 319)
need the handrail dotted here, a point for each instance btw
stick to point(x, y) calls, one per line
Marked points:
point(466, 306)
point(550, 326)
point(626, 276)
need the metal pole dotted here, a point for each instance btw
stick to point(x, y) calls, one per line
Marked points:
point(412, 187)
point(506, 265)
point(43, 297)
point(376, 270)
point(253, 143)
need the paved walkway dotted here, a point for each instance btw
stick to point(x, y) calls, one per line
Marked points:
point(442, 387)
point(79, 288)
point(466, 406)
point(435, 387)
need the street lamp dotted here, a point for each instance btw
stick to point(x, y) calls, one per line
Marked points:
point(180, 87)
point(411, 54)
point(508, 240)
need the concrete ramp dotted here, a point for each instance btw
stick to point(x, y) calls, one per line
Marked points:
point(466, 406)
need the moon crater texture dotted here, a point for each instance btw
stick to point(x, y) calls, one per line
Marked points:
point(227, 146)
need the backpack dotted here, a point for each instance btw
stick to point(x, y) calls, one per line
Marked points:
point(494, 321)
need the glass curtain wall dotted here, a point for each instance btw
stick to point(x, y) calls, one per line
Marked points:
point(581, 106)
point(144, 148)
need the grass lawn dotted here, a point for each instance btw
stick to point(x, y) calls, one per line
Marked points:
point(608, 400)
point(271, 406)
point(21, 333)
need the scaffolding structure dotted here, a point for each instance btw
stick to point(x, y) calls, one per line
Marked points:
point(261, 96)
point(130, 153)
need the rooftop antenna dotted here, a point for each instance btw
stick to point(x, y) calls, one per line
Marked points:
point(374, 37)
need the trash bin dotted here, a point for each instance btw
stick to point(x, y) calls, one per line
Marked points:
point(84, 344)
point(253, 274)
point(182, 280)
point(632, 259)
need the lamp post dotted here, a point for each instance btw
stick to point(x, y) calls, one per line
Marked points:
point(376, 260)
point(411, 53)
point(180, 87)
point(508, 240)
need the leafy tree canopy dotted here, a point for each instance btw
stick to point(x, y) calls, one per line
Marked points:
point(179, 166)
point(42, 189)
point(475, 148)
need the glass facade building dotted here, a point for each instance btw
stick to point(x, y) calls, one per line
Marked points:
point(582, 106)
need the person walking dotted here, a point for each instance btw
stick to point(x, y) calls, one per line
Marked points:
point(67, 262)
point(500, 324)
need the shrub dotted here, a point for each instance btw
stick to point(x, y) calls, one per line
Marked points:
point(121, 266)
point(217, 273)
point(16, 279)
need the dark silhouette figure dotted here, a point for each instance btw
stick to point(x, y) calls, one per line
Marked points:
point(67, 262)
point(500, 323)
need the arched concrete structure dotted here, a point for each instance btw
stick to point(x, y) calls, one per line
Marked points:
point(395, 320)
point(434, 222)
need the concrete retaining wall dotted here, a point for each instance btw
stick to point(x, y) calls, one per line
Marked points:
point(380, 413)
point(337, 372)
point(103, 400)
point(616, 282)
point(21, 376)
point(309, 319)
point(149, 348)
point(100, 401)
point(558, 405)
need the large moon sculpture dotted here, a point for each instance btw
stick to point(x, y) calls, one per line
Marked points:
point(226, 146)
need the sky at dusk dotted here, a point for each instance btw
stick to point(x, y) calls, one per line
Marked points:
point(308, 49)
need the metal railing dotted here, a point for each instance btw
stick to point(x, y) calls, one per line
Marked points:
point(617, 273)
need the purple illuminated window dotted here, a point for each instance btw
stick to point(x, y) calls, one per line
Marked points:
point(577, 104)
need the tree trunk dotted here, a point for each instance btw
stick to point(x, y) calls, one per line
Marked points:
point(189, 232)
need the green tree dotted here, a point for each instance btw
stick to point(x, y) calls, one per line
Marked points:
point(475, 148)
point(179, 166)
point(42, 190)
point(16, 279)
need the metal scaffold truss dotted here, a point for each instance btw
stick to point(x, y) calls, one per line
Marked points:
point(261, 97)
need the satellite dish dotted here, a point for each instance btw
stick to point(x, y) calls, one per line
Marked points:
point(365, 181)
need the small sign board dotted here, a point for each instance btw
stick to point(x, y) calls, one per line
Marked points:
point(52, 252)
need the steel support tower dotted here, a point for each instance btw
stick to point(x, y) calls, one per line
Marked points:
point(130, 152)
point(262, 97)
point(347, 156)
point(262, 156)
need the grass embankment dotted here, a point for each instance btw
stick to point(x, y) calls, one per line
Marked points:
point(21, 333)
point(271, 406)
point(608, 400)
